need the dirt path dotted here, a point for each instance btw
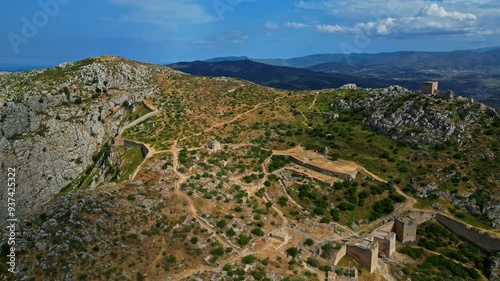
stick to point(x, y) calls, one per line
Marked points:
point(314, 101)
point(152, 270)
point(231, 120)
point(182, 178)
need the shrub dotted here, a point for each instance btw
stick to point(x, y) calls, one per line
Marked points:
point(283, 201)
point(218, 252)
point(414, 253)
point(248, 259)
point(230, 232)
point(258, 231)
point(244, 239)
point(312, 262)
point(292, 252)
point(309, 242)
point(221, 223)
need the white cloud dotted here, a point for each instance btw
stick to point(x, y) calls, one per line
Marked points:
point(295, 25)
point(433, 19)
point(272, 26)
point(165, 13)
point(367, 7)
point(331, 28)
point(434, 10)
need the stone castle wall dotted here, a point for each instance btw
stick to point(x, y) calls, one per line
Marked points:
point(340, 254)
point(481, 239)
point(344, 176)
point(366, 256)
point(144, 148)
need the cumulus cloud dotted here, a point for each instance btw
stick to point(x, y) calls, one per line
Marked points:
point(272, 26)
point(434, 10)
point(432, 19)
point(295, 25)
point(165, 13)
point(331, 28)
point(469, 17)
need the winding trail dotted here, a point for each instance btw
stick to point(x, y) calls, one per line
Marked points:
point(314, 101)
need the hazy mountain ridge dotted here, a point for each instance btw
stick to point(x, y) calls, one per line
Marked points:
point(276, 76)
point(471, 73)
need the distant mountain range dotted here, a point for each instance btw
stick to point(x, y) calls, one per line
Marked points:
point(472, 73)
point(276, 76)
point(460, 59)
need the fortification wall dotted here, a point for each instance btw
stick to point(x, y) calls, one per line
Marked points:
point(148, 107)
point(386, 245)
point(366, 256)
point(138, 121)
point(340, 254)
point(334, 276)
point(144, 148)
point(420, 217)
point(388, 227)
point(481, 239)
point(344, 176)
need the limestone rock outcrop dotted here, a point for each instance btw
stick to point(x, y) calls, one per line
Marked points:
point(54, 122)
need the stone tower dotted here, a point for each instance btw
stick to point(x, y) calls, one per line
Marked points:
point(430, 88)
point(406, 229)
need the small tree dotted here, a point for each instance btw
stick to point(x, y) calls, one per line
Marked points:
point(292, 252)
point(248, 259)
point(283, 201)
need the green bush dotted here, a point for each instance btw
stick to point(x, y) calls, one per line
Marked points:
point(414, 253)
point(248, 259)
point(292, 252)
point(258, 231)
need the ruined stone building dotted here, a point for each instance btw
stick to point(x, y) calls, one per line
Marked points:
point(430, 88)
point(214, 145)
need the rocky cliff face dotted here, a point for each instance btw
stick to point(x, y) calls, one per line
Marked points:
point(53, 122)
point(409, 117)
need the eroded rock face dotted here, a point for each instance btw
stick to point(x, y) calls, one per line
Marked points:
point(51, 127)
point(495, 267)
point(404, 115)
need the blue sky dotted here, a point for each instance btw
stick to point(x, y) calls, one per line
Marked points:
point(48, 32)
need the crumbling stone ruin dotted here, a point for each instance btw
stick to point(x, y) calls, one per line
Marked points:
point(342, 273)
point(214, 145)
point(386, 241)
point(381, 241)
point(429, 88)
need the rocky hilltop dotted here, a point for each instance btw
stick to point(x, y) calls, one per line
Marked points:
point(417, 119)
point(54, 121)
